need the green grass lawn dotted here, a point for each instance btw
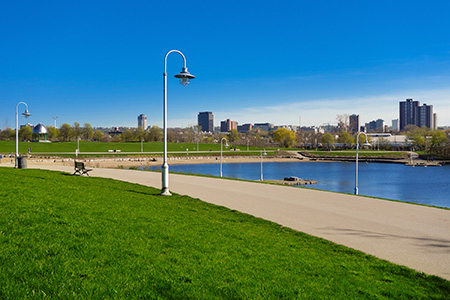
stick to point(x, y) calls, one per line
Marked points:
point(69, 147)
point(73, 237)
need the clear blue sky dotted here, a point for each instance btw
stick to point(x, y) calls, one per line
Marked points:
point(101, 62)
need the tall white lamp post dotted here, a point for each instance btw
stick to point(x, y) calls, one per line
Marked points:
point(226, 146)
point(184, 77)
point(262, 162)
point(357, 146)
point(26, 114)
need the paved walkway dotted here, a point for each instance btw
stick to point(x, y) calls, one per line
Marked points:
point(405, 234)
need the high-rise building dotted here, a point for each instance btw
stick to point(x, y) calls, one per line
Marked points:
point(411, 113)
point(142, 121)
point(206, 121)
point(354, 123)
point(227, 125)
point(408, 113)
point(426, 117)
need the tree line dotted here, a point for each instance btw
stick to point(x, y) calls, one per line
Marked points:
point(435, 142)
point(66, 133)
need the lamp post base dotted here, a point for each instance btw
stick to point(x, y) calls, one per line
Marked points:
point(165, 192)
point(356, 191)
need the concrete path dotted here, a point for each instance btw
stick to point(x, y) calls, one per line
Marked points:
point(405, 234)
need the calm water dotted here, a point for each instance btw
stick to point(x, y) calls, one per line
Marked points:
point(429, 185)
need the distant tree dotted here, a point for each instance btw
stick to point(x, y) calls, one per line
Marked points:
point(209, 140)
point(116, 138)
point(409, 128)
point(25, 133)
point(66, 132)
point(343, 121)
point(257, 138)
point(155, 134)
point(77, 132)
point(188, 135)
point(327, 139)
point(87, 131)
point(53, 132)
point(384, 144)
point(98, 135)
point(7, 134)
point(310, 138)
point(418, 137)
point(139, 134)
point(438, 141)
point(345, 138)
point(127, 135)
point(285, 137)
point(233, 135)
point(172, 136)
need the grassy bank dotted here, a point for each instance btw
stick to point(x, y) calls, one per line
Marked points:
point(70, 147)
point(75, 237)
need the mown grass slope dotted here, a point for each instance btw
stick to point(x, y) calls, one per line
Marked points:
point(72, 237)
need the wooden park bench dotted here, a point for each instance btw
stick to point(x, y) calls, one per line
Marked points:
point(81, 169)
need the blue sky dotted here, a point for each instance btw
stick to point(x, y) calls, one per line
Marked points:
point(101, 62)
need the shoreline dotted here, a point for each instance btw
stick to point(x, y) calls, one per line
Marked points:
point(126, 162)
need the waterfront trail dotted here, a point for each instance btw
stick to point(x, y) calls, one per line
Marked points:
point(406, 234)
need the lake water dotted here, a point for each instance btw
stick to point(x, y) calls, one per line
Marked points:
point(425, 185)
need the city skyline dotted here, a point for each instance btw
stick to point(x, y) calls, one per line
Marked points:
point(101, 63)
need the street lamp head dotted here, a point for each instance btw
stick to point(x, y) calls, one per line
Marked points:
point(366, 143)
point(26, 113)
point(184, 77)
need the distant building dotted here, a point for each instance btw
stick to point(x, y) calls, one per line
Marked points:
point(227, 125)
point(375, 126)
point(354, 124)
point(288, 127)
point(371, 126)
point(263, 126)
point(394, 126)
point(115, 131)
point(244, 128)
point(327, 127)
point(411, 113)
point(311, 128)
point(379, 127)
point(206, 121)
point(408, 113)
point(142, 121)
point(426, 116)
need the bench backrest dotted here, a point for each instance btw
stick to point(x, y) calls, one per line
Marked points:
point(79, 165)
